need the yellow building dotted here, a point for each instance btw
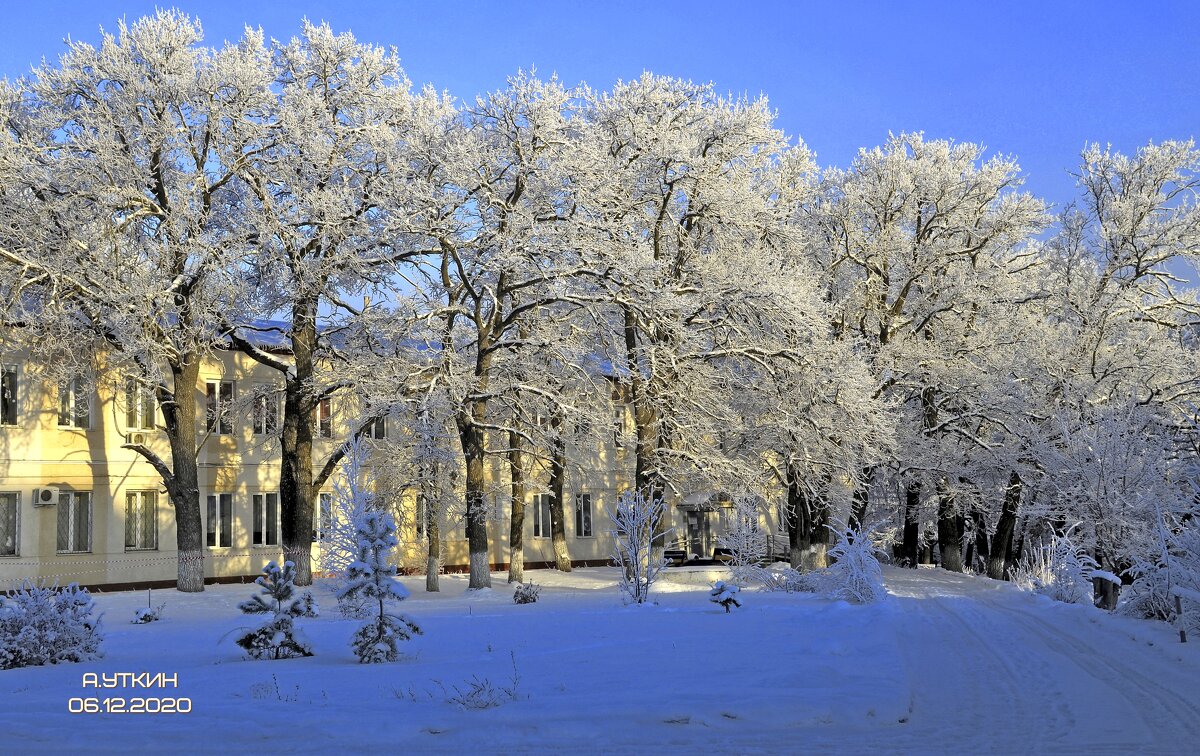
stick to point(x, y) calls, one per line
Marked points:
point(77, 506)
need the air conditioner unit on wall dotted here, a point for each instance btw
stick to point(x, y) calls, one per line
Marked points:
point(135, 438)
point(45, 497)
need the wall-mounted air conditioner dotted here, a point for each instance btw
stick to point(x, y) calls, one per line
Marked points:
point(45, 497)
point(135, 438)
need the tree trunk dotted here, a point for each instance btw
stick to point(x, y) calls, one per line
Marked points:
point(471, 437)
point(296, 444)
point(982, 545)
point(433, 555)
point(1002, 541)
point(859, 501)
point(949, 528)
point(183, 487)
point(558, 528)
point(516, 521)
point(795, 504)
point(909, 555)
point(814, 535)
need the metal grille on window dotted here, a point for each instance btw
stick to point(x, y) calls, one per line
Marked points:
point(74, 521)
point(9, 504)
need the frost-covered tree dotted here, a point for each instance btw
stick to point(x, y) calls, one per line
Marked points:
point(370, 581)
point(634, 519)
point(855, 574)
point(744, 537)
point(42, 624)
point(335, 201)
point(279, 638)
point(122, 189)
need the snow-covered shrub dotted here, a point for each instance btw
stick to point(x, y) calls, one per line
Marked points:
point(279, 638)
point(1176, 572)
point(370, 581)
point(1058, 569)
point(745, 539)
point(855, 574)
point(725, 594)
point(634, 519)
point(46, 625)
point(526, 593)
point(146, 614)
point(786, 580)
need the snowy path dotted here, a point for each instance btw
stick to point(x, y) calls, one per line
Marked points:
point(994, 670)
point(949, 664)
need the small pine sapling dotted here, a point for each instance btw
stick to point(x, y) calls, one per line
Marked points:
point(369, 581)
point(526, 593)
point(725, 594)
point(42, 624)
point(279, 638)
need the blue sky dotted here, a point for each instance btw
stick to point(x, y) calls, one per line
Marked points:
point(1034, 79)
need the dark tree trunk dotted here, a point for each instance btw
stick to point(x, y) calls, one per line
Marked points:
point(912, 525)
point(433, 553)
point(795, 505)
point(859, 501)
point(471, 437)
point(558, 474)
point(949, 528)
point(182, 481)
point(981, 543)
point(296, 443)
point(1002, 541)
point(516, 521)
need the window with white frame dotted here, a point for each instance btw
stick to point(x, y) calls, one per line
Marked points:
point(583, 515)
point(8, 394)
point(74, 407)
point(376, 429)
point(541, 515)
point(218, 527)
point(323, 516)
point(139, 405)
point(10, 507)
point(218, 407)
point(325, 418)
point(266, 519)
point(266, 410)
point(141, 524)
point(74, 522)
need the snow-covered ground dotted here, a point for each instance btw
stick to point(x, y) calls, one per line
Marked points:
point(948, 664)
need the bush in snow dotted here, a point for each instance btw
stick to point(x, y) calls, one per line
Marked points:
point(1176, 572)
point(47, 625)
point(855, 574)
point(745, 539)
point(724, 594)
point(634, 519)
point(370, 581)
point(148, 613)
point(279, 638)
point(787, 580)
point(526, 593)
point(1058, 569)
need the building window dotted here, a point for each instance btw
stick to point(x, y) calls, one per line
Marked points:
point(8, 395)
point(325, 418)
point(219, 526)
point(10, 505)
point(139, 405)
point(322, 516)
point(266, 519)
point(618, 415)
point(74, 521)
point(376, 429)
point(74, 409)
point(583, 515)
point(218, 412)
point(141, 525)
point(541, 515)
point(266, 411)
